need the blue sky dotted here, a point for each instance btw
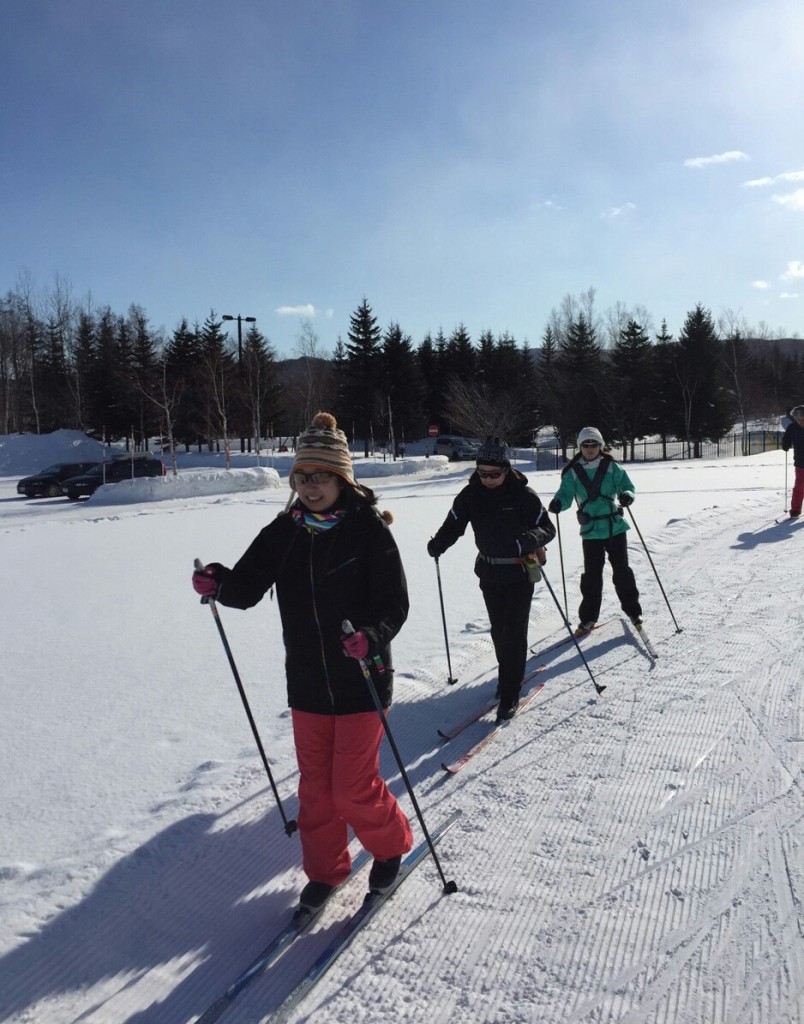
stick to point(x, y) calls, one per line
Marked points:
point(453, 161)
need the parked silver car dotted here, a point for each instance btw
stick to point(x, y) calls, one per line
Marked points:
point(456, 448)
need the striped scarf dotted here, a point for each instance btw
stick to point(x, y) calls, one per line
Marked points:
point(317, 522)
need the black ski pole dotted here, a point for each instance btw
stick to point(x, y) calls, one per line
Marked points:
point(290, 826)
point(561, 561)
point(451, 679)
point(449, 887)
point(655, 573)
point(598, 686)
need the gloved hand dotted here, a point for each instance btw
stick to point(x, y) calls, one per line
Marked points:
point(540, 555)
point(433, 550)
point(554, 506)
point(205, 582)
point(527, 543)
point(626, 500)
point(355, 645)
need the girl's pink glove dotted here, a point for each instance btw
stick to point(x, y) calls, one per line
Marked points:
point(204, 582)
point(355, 645)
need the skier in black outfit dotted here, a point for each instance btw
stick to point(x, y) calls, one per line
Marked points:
point(509, 524)
point(794, 438)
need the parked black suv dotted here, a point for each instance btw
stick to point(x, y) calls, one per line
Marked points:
point(49, 481)
point(124, 468)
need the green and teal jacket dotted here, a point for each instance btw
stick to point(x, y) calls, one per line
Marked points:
point(599, 512)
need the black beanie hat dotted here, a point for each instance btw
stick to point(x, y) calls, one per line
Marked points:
point(493, 452)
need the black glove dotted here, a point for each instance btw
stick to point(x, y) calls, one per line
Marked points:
point(626, 500)
point(785, 447)
point(433, 550)
point(554, 506)
point(527, 543)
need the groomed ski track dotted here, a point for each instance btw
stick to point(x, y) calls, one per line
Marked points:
point(681, 903)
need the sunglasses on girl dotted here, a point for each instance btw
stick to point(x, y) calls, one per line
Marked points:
point(490, 474)
point(312, 478)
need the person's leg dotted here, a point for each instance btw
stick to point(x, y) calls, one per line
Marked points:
point(594, 558)
point(797, 496)
point(359, 794)
point(623, 576)
point(323, 832)
point(509, 612)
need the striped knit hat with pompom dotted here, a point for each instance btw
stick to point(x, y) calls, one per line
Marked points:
point(323, 447)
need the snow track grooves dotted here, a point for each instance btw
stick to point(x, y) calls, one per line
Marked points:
point(635, 857)
point(677, 884)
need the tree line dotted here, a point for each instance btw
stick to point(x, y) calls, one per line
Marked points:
point(114, 377)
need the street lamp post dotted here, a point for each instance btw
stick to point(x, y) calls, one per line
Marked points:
point(240, 320)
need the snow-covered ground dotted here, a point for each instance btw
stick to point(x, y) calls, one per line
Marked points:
point(633, 857)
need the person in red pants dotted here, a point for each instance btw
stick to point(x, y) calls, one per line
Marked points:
point(331, 556)
point(793, 438)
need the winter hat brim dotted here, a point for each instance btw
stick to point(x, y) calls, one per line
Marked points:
point(590, 434)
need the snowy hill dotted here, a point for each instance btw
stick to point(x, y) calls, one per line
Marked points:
point(630, 857)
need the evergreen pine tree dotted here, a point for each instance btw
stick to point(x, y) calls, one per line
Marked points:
point(402, 384)
point(363, 368)
point(706, 411)
point(631, 385)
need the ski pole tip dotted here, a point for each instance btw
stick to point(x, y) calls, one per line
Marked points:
point(450, 887)
point(291, 827)
point(600, 688)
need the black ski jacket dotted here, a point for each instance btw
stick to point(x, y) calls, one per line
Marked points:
point(508, 521)
point(350, 571)
point(793, 438)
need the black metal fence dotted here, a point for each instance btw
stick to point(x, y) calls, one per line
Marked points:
point(753, 442)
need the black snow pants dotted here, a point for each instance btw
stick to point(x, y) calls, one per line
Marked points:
point(509, 610)
point(594, 558)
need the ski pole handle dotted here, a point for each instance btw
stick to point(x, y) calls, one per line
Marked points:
point(199, 566)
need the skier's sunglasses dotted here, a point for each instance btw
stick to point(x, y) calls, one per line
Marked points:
point(312, 478)
point(490, 474)
point(590, 444)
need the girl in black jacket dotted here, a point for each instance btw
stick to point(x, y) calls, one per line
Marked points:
point(510, 525)
point(331, 557)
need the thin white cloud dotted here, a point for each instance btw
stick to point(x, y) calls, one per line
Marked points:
point(795, 268)
point(308, 310)
point(760, 284)
point(788, 295)
point(719, 158)
point(544, 204)
point(764, 182)
point(792, 200)
point(614, 212)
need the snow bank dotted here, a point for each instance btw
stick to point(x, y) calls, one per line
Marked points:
point(24, 454)
point(188, 484)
